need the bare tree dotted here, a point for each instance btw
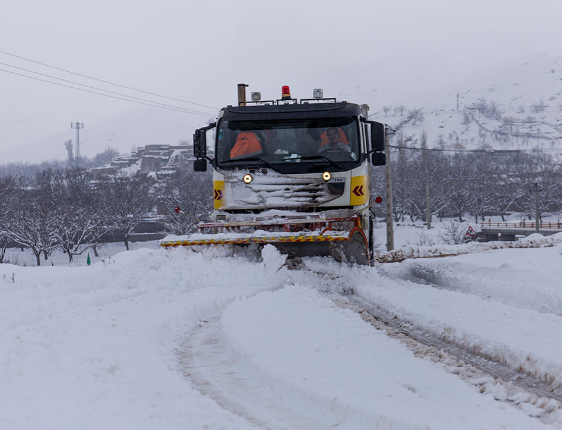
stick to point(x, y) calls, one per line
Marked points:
point(416, 115)
point(80, 219)
point(466, 120)
point(190, 191)
point(34, 213)
point(104, 157)
point(8, 198)
point(126, 200)
point(69, 151)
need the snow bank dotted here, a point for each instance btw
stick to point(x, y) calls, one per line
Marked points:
point(506, 304)
point(94, 347)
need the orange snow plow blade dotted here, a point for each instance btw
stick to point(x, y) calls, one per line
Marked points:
point(310, 236)
point(242, 240)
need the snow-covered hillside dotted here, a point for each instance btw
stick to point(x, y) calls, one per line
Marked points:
point(513, 105)
point(156, 339)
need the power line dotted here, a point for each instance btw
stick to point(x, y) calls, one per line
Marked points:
point(105, 82)
point(441, 150)
point(177, 109)
point(101, 89)
point(461, 151)
point(466, 151)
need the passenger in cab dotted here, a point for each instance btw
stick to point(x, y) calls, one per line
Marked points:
point(335, 140)
point(247, 143)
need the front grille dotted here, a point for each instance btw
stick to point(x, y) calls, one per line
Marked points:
point(277, 192)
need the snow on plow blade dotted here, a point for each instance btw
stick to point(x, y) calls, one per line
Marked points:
point(341, 237)
point(211, 239)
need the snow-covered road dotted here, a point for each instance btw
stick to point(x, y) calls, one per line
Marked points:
point(176, 339)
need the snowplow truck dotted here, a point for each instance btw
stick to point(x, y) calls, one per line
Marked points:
point(292, 173)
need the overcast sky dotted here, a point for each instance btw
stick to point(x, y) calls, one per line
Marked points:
point(199, 50)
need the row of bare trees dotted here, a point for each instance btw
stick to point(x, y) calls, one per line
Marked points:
point(66, 210)
point(69, 211)
point(477, 184)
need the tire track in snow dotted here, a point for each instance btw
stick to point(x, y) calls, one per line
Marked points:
point(241, 389)
point(238, 387)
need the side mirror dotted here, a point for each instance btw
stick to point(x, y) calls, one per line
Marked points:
point(379, 159)
point(200, 165)
point(200, 143)
point(377, 136)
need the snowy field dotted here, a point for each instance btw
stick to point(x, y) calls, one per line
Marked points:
point(174, 339)
point(25, 258)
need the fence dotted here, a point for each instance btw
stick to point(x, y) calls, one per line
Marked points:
point(523, 225)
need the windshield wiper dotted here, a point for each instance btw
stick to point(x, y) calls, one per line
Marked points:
point(262, 161)
point(321, 157)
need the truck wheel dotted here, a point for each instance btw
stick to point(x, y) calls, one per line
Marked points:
point(355, 251)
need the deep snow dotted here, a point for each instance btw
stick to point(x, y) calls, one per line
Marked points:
point(104, 346)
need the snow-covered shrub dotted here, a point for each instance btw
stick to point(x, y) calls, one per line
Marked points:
point(453, 232)
point(425, 239)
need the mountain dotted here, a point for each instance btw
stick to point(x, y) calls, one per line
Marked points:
point(512, 105)
point(123, 132)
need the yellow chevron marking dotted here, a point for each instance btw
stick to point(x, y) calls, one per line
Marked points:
point(218, 194)
point(359, 192)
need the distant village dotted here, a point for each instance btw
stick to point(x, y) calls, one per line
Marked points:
point(156, 161)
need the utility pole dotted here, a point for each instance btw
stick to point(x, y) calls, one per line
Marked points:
point(537, 190)
point(77, 126)
point(428, 202)
point(389, 223)
point(425, 157)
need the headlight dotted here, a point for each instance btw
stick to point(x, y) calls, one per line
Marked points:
point(248, 178)
point(326, 176)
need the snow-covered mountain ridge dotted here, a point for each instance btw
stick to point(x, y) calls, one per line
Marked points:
point(513, 105)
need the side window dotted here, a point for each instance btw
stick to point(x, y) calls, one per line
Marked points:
point(227, 142)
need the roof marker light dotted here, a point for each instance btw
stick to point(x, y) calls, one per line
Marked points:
point(247, 178)
point(318, 93)
point(256, 96)
point(326, 176)
point(285, 92)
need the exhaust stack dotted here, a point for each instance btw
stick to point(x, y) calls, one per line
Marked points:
point(242, 94)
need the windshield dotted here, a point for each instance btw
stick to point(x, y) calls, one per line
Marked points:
point(289, 146)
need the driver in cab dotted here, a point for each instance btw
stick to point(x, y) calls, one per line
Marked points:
point(334, 142)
